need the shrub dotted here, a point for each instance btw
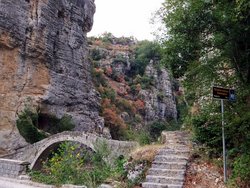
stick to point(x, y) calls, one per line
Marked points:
point(120, 58)
point(241, 170)
point(108, 93)
point(125, 106)
point(147, 82)
point(207, 131)
point(27, 125)
point(156, 128)
point(145, 51)
point(95, 54)
point(114, 122)
point(71, 165)
point(66, 124)
point(99, 78)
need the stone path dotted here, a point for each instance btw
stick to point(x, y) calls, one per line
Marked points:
point(169, 166)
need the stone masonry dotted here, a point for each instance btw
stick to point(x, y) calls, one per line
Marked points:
point(33, 152)
point(169, 166)
point(12, 168)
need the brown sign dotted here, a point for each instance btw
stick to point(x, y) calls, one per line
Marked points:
point(220, 93)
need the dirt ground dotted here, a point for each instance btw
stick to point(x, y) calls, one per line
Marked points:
point(202, 174)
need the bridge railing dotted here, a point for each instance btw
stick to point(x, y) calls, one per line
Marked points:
point(12, 168)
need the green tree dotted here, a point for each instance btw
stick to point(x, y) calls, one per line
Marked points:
point(207, 44)
point(144, 52)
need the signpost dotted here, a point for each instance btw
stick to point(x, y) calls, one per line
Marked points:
point(223, 94)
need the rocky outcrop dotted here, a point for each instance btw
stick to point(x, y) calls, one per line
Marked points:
point(159, 99)
point(43, 61)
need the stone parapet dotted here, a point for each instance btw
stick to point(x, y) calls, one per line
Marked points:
point(12, 168)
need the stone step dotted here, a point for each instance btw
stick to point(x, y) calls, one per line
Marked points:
point(165, 180)
point(166, 172)
point(170, 165)
point(177, 147)
point(159, 185)
point(174, 152)
point(170, 158)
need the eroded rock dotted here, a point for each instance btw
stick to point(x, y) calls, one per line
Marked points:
point(43, 60)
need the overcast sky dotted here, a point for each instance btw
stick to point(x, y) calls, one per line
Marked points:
point(125, 18)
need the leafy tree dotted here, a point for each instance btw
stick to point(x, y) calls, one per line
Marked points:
point(207, 44)
point(144, 52)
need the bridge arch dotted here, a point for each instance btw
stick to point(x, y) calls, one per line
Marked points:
point(46, 145)
point(116, 147)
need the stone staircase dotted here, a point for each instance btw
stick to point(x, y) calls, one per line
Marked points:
point(169, 166)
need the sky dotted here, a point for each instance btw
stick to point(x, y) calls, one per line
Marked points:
point(125, 18)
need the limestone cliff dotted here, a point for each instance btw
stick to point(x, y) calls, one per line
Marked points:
point(159, 99)
point(149, 95)
point(43, 59)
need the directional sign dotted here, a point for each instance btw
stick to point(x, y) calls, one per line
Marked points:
point(232, 96)
point(220, 93)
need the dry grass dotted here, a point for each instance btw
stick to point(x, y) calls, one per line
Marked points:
point(147, 152)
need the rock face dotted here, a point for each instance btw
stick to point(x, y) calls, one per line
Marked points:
point(151, 93)
point(43, 61)
point(159, 99)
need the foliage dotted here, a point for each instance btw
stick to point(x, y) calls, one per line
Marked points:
point(207, 44)
point(142, 82)
point(156, 128)
point(27, 125)
point(73, 165)
point(144, 52)
point(207, 129)
point(32, 127)
point(96, 55)
point(107, 93)
point(241, 170)
point(114, 122)
point(98, 77)
point(120, 59)
point(53, 124)
point(125, 106)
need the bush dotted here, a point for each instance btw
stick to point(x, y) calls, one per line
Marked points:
point(241, 170)
point(115, 123)
point(146, 82)
point(53, 125)
point(156, 128)
point(207, 129)
point(145, 51)
point(120, 59)
point(27, 125)
point(69, 166)
point(95, 54)
point(108, 93)
point(99, 78)
point(32, 127)
point(125, 106)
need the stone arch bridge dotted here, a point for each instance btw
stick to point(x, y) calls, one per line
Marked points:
point(33, 153)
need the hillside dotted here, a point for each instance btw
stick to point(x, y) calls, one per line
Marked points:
point(136, 90)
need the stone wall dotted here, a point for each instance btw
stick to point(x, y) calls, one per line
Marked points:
point(12, 168)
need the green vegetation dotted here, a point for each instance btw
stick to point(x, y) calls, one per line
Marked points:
point(96, 54)
point(144, 52)
point(208, 44)
point(34, 126)
point(27, 125)
point(73, 164)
